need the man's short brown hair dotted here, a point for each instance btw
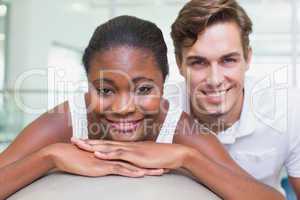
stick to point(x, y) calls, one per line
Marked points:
point(197, 15)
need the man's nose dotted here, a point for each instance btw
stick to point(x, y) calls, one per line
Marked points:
point(215, 76)
point(124, 104)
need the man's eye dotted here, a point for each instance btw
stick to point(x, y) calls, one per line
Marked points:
point(198, 63)
point(229, 60)
point(105, 91)
point(144, 90)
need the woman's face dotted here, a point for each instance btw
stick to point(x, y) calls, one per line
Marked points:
point(125, 90)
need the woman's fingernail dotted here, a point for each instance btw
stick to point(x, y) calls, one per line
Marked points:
point(97, 153)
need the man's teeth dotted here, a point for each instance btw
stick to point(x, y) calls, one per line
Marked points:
point(216, 94)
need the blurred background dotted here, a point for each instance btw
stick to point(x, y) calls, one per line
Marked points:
point(41, 43)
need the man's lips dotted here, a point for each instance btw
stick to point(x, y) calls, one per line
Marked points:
point(215, 96)
point(215, 93)
point(124, 125)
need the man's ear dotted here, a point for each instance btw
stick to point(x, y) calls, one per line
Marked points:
point(179, 64)
point(249, 58)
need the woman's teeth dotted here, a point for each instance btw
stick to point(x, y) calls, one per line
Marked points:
point(125, 126)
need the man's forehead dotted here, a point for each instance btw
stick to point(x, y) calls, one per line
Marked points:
point(217, 40)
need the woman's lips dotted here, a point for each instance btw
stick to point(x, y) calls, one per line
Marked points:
point(124, 126)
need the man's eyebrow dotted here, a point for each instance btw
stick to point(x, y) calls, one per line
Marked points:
point(195, 58)
point(231, 54)
point(141, 78)
point(203, 58)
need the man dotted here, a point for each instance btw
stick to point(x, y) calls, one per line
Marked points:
point(256, 123)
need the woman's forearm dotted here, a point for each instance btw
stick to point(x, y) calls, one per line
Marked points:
point(224, 182)
point(23, 172)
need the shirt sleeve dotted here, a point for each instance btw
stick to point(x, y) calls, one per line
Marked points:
point(293, 160)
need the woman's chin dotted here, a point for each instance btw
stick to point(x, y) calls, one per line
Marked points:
point(126, 136)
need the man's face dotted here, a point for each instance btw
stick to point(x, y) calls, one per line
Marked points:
point(214, 69)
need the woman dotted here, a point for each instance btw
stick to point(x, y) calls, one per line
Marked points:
point(126, 64)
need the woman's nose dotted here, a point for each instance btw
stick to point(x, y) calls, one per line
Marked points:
point(124, 104)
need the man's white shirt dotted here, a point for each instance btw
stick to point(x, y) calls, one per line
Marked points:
point(266, 138)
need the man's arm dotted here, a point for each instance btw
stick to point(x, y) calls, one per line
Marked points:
point(214, 167)
point(225, 182)
point(295, 182)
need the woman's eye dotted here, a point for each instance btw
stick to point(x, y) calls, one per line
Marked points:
point(144, 90)
point(105, 91)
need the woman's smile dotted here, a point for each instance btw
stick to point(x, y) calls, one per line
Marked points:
point(124, 125)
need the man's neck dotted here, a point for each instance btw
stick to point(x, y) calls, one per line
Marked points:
point(218, 123)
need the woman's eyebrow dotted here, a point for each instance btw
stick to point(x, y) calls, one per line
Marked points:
point(141, 78)
point(105, 80)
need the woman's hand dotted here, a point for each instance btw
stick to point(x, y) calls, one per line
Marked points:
point(142, 154)
point(68, 158)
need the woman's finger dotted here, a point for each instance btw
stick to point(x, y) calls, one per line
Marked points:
point(148, 172)
point(126, 165)
point(82, 145)
point(105, 142)
point(113, 155)
point(154, 172)
point(107, 148)
point(119, 169)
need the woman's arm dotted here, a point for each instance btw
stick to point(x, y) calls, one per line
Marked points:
point(66, 158)
point(22, 172)
point(23, 162)
point(44, 145)
point(52, 127)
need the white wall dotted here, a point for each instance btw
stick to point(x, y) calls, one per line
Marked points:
point(35, 25)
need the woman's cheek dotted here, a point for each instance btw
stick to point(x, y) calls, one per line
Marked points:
point(148, 104)
point(104, 105)
point(100, 104)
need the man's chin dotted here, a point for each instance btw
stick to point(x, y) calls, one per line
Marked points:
point(214, 112)
point(210, 110)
